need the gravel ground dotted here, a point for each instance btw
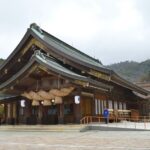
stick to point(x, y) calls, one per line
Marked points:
point(98, 140)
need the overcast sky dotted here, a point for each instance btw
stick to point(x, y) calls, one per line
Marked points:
point(109, 30)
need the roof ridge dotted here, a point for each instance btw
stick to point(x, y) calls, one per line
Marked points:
point(75, 49)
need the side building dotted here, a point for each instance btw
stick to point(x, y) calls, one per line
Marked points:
point(146, 104)
point(47, 81)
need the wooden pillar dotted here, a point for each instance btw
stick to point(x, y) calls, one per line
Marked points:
point(93, 106)
point(14, 110)
point(8, 113)
point(40, 114)
point(11, 110)
point(107, 103)
point(113, 103)
point(5, 112)
point(12, 121)
point(17, 112)
point(77, 112)
point(81, 107)
point(61, 114)
point(14, 116)
point(118, 103)
point(28, 111)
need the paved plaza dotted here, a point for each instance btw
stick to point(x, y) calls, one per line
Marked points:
point(91, 140)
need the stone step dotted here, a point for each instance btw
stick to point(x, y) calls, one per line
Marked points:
point(52, 128)
point(109, 128)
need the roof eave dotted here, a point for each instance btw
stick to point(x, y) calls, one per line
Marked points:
point(34, 60)
point(119, 80)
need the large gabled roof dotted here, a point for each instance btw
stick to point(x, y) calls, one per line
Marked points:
point(67, 50)
point(81, 57)
point(72, 54)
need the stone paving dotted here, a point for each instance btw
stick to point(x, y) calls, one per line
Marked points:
point(127, 124)
point(92, 140)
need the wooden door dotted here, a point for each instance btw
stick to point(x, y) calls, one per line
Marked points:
point(86, 106)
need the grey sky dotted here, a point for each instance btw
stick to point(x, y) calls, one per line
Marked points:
point(110, 30)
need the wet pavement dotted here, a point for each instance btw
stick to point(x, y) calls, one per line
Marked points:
point(98, 140)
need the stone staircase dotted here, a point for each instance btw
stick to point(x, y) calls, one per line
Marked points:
point(42, 128)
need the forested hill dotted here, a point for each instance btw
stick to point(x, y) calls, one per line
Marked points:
point(133, 71)
point(1, 60)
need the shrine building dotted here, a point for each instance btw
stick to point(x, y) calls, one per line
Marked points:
point(47, 81)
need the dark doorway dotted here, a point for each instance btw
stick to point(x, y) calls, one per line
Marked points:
point(50, 114)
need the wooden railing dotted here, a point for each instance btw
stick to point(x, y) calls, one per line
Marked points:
point(90, 119)
point(96, 119)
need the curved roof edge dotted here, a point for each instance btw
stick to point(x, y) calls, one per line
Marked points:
point(128, 84)
point(7, 97)
point(23, 40)
point(53, 66)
